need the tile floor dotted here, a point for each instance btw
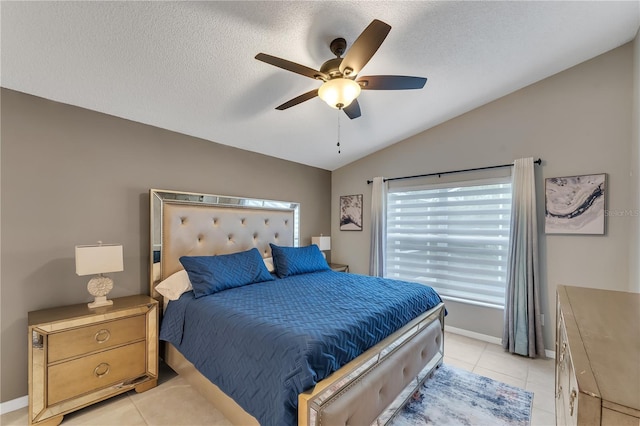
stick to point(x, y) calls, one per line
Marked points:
point(490, 360)
point(174, 402)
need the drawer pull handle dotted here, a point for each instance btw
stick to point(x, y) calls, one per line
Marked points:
point(101, 370)
point(572, 401)
point(102, 335)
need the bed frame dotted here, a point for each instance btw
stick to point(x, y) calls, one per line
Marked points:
point(368, 390)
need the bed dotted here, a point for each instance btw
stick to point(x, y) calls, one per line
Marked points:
point(333, 373)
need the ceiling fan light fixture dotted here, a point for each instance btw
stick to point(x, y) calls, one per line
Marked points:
point(339, 92)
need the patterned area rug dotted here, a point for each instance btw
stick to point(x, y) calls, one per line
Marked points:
point(457, 397)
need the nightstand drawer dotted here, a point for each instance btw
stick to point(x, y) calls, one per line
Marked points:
point(72, 378)
point(95, 337)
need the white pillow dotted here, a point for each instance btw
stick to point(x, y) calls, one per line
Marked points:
point(173, 287)
point(268, 262)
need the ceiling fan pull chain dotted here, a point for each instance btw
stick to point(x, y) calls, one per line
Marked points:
point(338, 144)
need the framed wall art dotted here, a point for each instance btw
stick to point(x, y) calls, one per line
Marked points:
point(351, 212)
point(575, 204)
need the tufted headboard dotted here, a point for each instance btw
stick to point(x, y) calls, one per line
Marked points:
point(202, 225)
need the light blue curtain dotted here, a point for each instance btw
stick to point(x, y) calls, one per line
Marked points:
point(522, 327)
point(378, 227)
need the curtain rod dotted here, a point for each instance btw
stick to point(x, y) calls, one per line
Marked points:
point(538, 161)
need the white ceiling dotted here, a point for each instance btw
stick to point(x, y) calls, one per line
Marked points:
point(189, 66)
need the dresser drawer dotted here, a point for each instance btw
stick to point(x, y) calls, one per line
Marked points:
point(73, 378)
point(96, 337)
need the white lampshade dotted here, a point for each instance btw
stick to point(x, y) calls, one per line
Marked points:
point(339, 92)
point(323, 243)
point(99, 259)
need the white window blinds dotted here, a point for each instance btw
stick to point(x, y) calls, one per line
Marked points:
point(454, 238)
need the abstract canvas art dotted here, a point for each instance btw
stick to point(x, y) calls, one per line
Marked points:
point(351, 212)
point(575, 204)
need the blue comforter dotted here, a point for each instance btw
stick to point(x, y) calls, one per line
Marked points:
point(265, 343)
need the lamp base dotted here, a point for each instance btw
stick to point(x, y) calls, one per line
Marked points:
point(99, 287)
point(100, 301)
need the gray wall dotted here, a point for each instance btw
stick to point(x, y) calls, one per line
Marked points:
point(73, 176)
point(578, 121)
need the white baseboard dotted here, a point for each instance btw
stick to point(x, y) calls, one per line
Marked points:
point(473, 335)
point(14, 404)
point(486, 338)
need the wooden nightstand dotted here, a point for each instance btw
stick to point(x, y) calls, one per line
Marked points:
point(79, 356)
point(338, 267)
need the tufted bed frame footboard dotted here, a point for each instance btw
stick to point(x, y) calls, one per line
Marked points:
point(374, 386)
point(368, 390)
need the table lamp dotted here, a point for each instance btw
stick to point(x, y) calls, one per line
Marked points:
point(99, 259)
point(323, 242)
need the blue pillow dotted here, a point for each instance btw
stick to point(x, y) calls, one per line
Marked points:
point(297, 260)
point(211, 274)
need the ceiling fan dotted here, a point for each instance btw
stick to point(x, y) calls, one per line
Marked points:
point(341, 84)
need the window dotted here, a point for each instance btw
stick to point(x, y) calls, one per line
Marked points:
point(454, 238)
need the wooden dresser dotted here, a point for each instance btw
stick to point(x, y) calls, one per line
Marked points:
point(79, 356)
point(597, 357)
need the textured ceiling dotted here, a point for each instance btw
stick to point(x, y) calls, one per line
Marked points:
point(189, 66)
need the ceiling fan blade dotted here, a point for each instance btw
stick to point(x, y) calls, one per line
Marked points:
point(391, 82)
point(291, 66)
point(298, 99)
point(364, 47)
point(353, 110)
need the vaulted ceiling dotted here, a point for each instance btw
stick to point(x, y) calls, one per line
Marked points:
point(189, 66)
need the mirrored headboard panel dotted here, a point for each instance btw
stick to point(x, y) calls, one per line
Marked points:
point(193, 224)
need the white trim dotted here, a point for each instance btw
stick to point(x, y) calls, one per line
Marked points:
point(14, 404)
point(473, 335)
point(486, 338)
point(472, 302)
